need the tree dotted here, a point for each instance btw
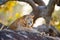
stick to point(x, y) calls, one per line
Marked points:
point(42, 10)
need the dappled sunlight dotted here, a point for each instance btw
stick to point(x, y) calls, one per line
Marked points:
point(13, 10)
point(10, 11)
point(57, 22)
point(46, 1)
point(39, 21)
point(26, 8)
point(56, 7)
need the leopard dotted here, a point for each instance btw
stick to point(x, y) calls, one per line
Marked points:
point(22, 23)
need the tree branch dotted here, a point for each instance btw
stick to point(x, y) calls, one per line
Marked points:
point(51, 6)
point(39, 2)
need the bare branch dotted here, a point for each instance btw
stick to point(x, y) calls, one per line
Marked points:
point(39, 2)
point(51, 6)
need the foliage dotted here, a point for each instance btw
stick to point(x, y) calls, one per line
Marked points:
point(56, 19)
point(10, 11)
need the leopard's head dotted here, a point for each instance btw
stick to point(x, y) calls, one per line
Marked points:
point(29, 20)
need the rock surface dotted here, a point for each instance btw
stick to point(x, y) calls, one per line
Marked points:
point(23, 35)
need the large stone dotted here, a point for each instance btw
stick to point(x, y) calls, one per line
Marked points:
point(23, 35)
